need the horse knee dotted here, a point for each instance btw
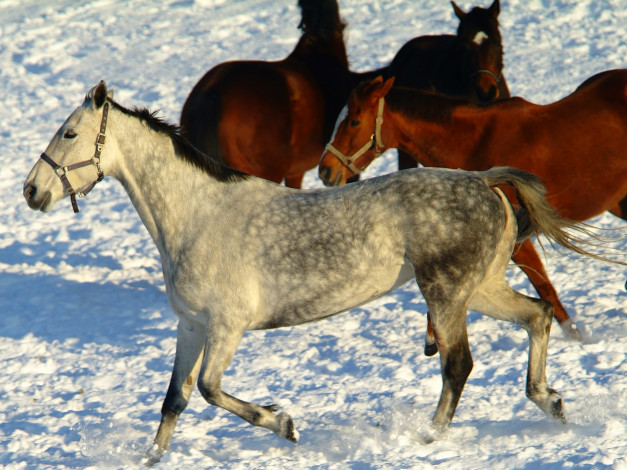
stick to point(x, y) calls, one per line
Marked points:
point(209, 391)
point(544, 318)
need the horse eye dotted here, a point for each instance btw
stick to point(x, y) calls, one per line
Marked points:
point(69, 134)
point(354, 123)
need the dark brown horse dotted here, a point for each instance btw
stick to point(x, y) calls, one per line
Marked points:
point(272, 119)
point(467, 65)
point(577, 146)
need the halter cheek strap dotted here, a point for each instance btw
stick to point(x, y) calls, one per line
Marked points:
point(62, 171)
point(375, 141)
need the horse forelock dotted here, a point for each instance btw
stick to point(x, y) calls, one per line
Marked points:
point(183, 148)
point(479, 20)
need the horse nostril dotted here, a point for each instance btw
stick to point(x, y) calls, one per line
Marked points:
point(29, 192)
point(324, 173)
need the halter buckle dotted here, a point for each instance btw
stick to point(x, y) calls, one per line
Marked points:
point(100, 141)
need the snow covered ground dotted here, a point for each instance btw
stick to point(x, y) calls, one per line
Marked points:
point(87, 338)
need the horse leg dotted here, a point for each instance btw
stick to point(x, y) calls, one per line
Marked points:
point(528, 260)
point(294, 181)
point(189, 345)
point(496, 299)
point(220, 347)
point(456, 361)
point(406, 161)
point(620, 209)
point(431, 348)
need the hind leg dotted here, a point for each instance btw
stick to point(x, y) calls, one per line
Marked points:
point(620, 209)
point(498, 300)
point(405, 160)
point(449, 324)
point(528, 260)
point(220, 347)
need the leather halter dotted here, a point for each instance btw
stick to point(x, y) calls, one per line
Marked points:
point(62, 171)
point(375, 141)
point(497, 78)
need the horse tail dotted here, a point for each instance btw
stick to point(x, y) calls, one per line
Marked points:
point(199, 122)
point(537, 216)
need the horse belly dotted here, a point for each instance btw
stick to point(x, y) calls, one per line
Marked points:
point(322, 299)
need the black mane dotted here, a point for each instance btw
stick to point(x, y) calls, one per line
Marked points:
point(182, 147)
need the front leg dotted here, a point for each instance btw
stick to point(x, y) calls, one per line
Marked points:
point(189, 346)
point(221, 344)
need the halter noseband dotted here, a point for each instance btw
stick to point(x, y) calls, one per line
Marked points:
point(62, 171)
point(497, 78)
point(375, 141)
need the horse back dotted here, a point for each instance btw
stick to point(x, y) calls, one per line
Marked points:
point(416, 63)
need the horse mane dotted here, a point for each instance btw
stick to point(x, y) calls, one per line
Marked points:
point(182, 147)
point(424, 105)
point(320, 18)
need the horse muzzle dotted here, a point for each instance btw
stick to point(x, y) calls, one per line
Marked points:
point(36, 199)
point(328, 177)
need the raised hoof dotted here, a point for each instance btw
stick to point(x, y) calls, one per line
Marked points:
point(431, 349)
point(286, 428)
point(571, 330)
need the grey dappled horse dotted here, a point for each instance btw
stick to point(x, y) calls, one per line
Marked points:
point(246, 253)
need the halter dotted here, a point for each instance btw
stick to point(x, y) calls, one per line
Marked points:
point(375, 141)
point(62, 171)
point(496, 78)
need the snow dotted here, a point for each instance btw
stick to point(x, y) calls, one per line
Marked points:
point(86, 335)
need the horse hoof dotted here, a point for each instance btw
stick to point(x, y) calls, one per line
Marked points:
point(557, 411)
point(431, 349)
point(153, 456)
point(286, 428)
point(571, 330)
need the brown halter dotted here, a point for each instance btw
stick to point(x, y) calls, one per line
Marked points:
point(62, 171)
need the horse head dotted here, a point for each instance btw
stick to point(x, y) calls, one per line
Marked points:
point(323, 29)
point(479, 43)
point(357, 140)
point(62, 169)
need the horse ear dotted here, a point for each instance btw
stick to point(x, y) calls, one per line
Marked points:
point(495, 8)
point(100, 94)
point(459, 12)
point(387, 85)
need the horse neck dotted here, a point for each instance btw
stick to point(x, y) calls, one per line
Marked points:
point(164, 189)
point(326, 61)
point(439, 131)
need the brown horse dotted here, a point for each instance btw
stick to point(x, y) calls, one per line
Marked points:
point(467, 65)
point(272, 119)
point(577, 146)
